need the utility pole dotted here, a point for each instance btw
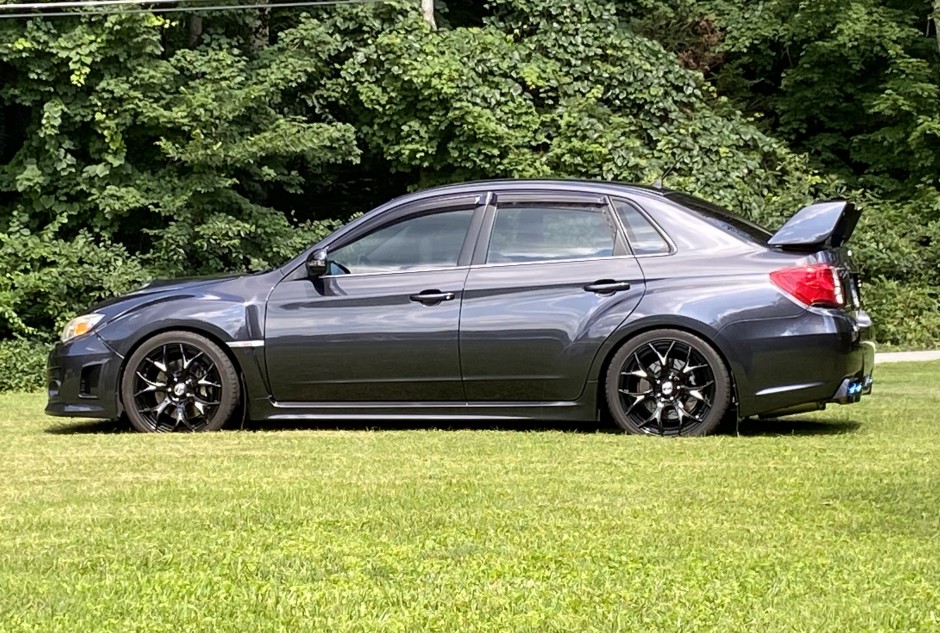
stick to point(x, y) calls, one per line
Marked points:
point(427, 7)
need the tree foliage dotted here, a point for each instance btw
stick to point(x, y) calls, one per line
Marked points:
point(140, 145)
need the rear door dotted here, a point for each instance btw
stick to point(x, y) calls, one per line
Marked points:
point(552, 278)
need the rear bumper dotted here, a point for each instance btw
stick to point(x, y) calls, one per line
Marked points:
point(82, 379)
point(822, 356)
point(859, 384)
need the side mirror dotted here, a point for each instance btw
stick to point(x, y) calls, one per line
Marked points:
point(317, 263)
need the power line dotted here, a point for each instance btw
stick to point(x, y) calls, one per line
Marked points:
point(77, 4)
point(46, 14)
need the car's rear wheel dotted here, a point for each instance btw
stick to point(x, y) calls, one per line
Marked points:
point(179, 381)
point(668, 382)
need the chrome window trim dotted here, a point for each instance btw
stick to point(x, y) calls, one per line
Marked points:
point(395, 272)
point(543, 262)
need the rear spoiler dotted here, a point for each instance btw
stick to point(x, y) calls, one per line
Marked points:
point(820, 225)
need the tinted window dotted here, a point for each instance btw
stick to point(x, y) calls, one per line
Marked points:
point(643, 236)
point(722, 218)
point(425, 241)
point(541, 232)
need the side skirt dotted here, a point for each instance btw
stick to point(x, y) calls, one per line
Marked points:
point(577, 411)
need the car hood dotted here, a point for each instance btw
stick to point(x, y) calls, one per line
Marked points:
point(168, 287)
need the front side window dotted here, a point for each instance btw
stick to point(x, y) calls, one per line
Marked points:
point(529, 232)
point(431, 240)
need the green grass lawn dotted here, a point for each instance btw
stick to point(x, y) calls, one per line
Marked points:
point(827, 522)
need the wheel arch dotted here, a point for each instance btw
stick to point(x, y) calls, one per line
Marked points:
point(185, 327)
point(622, 336)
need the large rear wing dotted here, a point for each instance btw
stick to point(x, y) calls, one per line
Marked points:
point(818, 226)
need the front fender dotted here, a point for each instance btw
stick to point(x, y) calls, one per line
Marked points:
point(224, 321)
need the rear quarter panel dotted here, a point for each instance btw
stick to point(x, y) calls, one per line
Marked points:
point(717, 285)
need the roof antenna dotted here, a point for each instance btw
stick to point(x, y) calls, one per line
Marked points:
point(658, 183)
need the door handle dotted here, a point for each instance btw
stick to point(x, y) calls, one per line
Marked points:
point(607, 286)
point(430, 297)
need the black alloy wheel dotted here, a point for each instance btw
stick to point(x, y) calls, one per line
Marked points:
point(179, 381)
point(668, 382)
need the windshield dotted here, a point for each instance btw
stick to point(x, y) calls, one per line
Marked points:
point(722, 218)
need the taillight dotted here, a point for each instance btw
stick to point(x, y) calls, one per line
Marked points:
point(817, 284)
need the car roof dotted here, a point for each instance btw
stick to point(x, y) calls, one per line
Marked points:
point(553, 184)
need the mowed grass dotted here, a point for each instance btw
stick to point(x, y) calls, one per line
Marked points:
point(828, 522)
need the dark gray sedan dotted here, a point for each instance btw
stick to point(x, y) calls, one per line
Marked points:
point(499, 300)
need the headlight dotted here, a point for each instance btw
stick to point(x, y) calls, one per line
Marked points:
point(80, 325)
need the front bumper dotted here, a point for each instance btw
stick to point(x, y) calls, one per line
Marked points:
point(82, 379)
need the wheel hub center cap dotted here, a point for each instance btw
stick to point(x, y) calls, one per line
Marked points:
point(668, 388)
point(179, 389)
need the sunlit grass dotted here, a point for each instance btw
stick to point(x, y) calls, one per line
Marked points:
point(827, 522)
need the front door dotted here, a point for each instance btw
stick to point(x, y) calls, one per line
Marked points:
point(382, 326)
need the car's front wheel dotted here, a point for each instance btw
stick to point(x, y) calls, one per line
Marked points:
point(179, 381)
point(668, 382)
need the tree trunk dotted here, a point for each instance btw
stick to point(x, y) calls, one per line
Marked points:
point(427, 7)
point(195, 29)
point(936, 21)
point(261, 33)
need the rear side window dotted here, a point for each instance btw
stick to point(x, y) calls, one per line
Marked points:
point(722, 218)
point(643, 236)
point(531, 232)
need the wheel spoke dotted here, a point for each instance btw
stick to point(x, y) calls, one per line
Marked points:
point(208, 383)
point(151, 389)
point(634, 403)
point(683, 415)
point(157, 409)
point(680, 414)
point(695, 393)
point(639, 373)
point(690, 368)
point(657, 414)
point(158, 385)
point(662, 359)
point(160, 366)
point(208, 369)
point(627, 392)
point(187, 363)
point(648, 369)
point(181, 418)
point(207, 403)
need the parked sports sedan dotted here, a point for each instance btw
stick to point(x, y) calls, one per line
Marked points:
point(496, 300)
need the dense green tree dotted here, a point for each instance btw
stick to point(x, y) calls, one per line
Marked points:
point(141, 145)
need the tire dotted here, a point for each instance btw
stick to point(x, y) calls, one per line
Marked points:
point(179, 381)
point(667, 382)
